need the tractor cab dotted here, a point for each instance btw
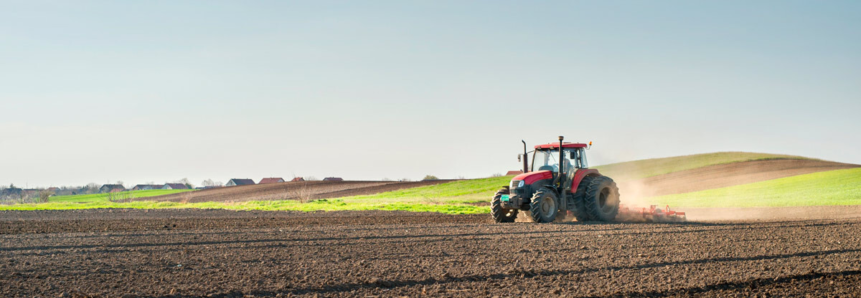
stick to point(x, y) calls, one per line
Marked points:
point(546, 157)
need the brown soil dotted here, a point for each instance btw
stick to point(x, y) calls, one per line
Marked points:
point(202, 253)
point(290, 191)
point(724, 175)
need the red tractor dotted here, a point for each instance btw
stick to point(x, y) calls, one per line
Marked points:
point(559, 182)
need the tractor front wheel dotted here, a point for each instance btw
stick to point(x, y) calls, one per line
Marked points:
point(543, 207)
point(501, 214)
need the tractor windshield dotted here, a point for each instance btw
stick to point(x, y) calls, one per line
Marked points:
point(546, 160)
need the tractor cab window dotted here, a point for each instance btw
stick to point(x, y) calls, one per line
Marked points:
point(546, 160)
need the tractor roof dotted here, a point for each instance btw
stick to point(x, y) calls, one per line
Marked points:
point(556, 145)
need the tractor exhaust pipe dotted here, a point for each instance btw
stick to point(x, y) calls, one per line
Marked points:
point(561, 166)
point(525, 159)
point(561, 154)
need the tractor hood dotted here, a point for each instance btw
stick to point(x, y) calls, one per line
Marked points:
point(532, 177)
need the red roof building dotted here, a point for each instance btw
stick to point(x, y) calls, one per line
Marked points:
point(271, 180)
point(298, 179)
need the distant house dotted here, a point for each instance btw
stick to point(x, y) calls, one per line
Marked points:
point(510, 173)
point(333, 179)
point(174, 186)
point(298, 179)
point(111, 188)
point(239, 182)
point(147, 187)
point(271, 180)
point(11, 192)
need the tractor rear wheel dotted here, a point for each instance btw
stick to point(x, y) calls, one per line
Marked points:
point(601, 199)
point(543, 207)
point(579, 200)
point(501, 214)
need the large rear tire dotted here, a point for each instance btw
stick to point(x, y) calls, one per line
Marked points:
point(544, 207)
point(501, 214)
point(601, 200)
point(580, 200)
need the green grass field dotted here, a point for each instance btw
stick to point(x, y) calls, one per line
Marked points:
point(457, 192)
point(103, 197)
point(321, 205)
point(658, 166)
point(449, 198)
point(839, 187)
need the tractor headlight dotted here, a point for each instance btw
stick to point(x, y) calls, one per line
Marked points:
point(516, 184)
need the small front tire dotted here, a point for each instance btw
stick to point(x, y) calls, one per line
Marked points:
point(544, 207)
point(501, 214)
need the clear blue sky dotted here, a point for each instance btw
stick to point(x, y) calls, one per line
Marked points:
point(138, 91)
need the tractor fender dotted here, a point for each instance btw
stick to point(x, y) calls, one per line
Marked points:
point(580, 175)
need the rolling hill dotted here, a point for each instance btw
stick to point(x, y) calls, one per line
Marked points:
point(723, 179)
point(645, 168)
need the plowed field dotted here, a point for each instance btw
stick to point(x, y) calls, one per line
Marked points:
point(204, 253)
point(291, 191)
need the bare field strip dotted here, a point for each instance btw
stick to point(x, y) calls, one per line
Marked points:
point(183, 253)
point(291, 191)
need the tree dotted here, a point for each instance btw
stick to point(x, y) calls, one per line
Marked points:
point(91, 188)
point(210, 183)
point(429, 177)
point(302, 193)
point(186, 182)
point(44, 195)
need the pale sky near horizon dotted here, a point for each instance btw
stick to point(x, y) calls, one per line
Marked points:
point(140, 91)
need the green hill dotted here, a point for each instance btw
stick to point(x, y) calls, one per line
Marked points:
point(839, 187)
point(658, 166)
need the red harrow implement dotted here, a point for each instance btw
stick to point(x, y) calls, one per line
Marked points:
point(651, 214)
